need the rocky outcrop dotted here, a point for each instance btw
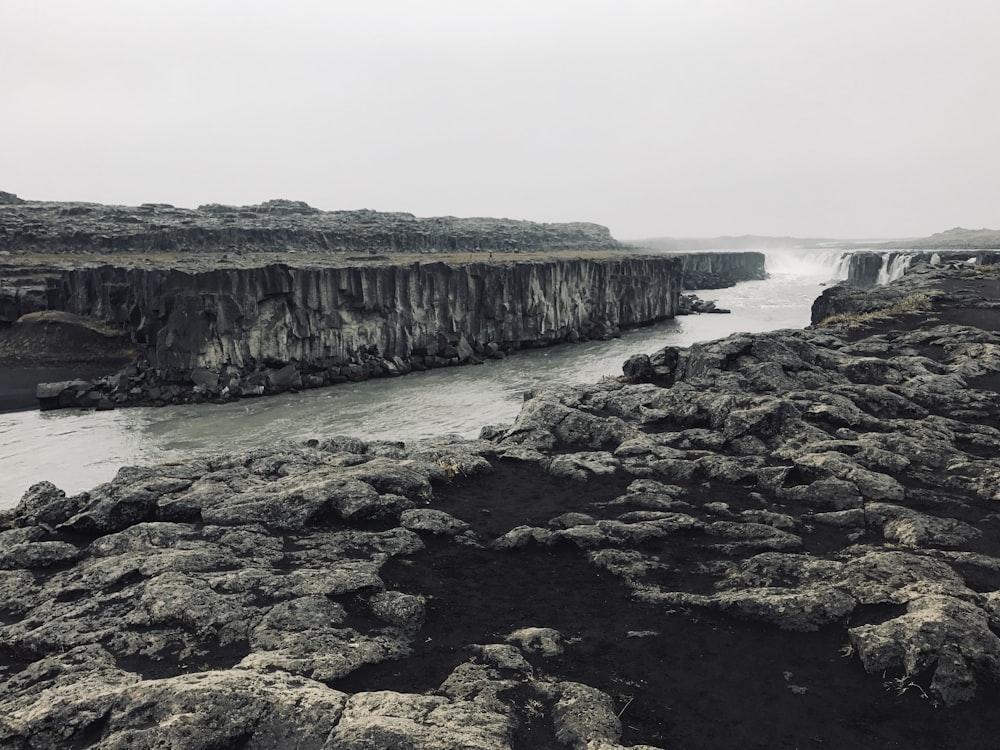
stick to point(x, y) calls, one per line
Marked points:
point(924, 280)
point(232, 332)
point(812, 513)
point(277, 225)
point(852, 300)
point(219, 619)
point(715, 270)
point(692, 304)
point(868, 268)
point(225, 302)
point(830, 478)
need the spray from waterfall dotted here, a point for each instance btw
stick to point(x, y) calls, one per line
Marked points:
point(822, 264)
point(894, 265)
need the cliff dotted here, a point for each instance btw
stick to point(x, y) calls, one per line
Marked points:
point(232, 326)
point(716, 270)
point(868, 268)
point(277, 225)
point(247, 331)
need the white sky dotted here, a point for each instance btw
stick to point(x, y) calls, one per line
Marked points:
point(842, 118)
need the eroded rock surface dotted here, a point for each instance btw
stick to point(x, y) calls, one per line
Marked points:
point(802, 521)
point(44, 226)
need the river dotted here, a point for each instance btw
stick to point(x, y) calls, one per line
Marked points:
point(78, 450)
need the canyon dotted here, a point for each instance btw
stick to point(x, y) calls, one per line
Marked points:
point(775, 539)
point(276, 301)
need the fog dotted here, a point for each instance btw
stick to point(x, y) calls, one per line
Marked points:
point(831, 118)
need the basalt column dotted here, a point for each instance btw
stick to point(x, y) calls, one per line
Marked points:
point(275, 314)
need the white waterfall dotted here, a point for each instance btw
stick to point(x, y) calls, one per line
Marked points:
point(823, 264)
point(894, 265)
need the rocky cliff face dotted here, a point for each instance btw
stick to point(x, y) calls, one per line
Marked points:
point(870, 268)
point(318, 318)
point(277, 225)
point(716, 270)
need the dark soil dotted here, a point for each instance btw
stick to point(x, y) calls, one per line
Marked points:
point(689, 679)
point(53, 350)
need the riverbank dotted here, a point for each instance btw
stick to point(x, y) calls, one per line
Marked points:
point(222, 329)
point(776, 539)
point(53, 346)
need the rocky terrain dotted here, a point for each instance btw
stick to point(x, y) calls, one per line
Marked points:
point(276, 225)
point(787, 539)
point(225, 302)
point(227, 330)
point(868, 268)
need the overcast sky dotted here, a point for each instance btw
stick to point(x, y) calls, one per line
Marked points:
point(835, 118)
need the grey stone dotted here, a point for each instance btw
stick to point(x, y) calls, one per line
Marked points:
point(433, 521)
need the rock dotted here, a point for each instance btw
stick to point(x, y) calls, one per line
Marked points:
point(401, 610)
point(298, 319)
point(57, 227)
point(284, 379)
point(582, 466)
point(942, 633)
point(37, 555)
point(387, 719)
point(544, 641)
point(583, 714)
point(569, 520)
point(872, 485)
point(204, 709)
point(46, 505)
point(62, 395)
point(205, 378)
point(432, 521)
point(112, 508)
point(638, 368)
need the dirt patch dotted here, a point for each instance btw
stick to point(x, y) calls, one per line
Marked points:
point(52, 346)
point(685, 677)
point(58, 338)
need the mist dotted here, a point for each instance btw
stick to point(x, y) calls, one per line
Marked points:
point(820, 119)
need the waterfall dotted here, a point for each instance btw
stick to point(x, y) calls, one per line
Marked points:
point(824, 264)
point(894, 265)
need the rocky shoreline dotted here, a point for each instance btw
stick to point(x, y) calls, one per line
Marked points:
point(226, 302)
point(781, 539)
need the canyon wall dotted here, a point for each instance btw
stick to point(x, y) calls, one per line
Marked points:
point(246, 319)
point(868, 268)
point(717, 270)
point(224, 329)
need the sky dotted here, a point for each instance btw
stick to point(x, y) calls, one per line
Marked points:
point(684, 118)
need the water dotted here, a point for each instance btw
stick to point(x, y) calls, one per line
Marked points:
point(78, 450)
point(894, 265)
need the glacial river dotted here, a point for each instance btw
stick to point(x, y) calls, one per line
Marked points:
point(78, 450)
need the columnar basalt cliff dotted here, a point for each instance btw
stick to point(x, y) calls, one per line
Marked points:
point(248, 300)
point(715, 270)
point(871, 267)
point(247, 331)
point(279, 313)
